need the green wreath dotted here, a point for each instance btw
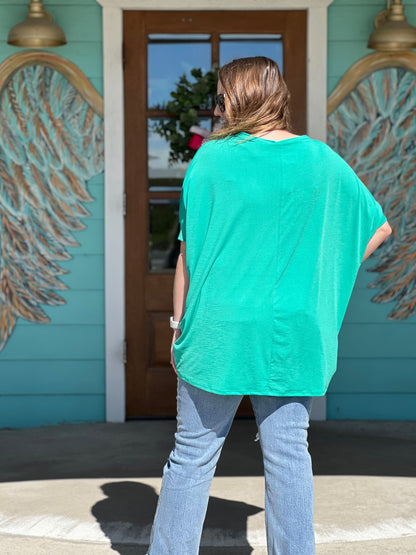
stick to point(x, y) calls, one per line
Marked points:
point(188, 98)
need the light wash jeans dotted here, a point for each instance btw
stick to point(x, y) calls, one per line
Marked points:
point(203, 422)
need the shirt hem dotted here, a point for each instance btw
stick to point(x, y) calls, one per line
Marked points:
point(274, 393)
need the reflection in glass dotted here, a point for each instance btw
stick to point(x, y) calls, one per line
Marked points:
point(242, 46)
point(164, 175)
point(164, 227)
point(169, 57)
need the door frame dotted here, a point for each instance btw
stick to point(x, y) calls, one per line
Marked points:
point(114, 250)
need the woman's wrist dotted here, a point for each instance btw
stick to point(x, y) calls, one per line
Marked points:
point(175, 324)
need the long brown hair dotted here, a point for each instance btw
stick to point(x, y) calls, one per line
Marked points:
point(256, 97)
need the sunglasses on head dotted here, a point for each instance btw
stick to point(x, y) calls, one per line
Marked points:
point(220, 101)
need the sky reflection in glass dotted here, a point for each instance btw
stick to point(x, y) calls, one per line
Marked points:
point(171, 57)
point(244, 46)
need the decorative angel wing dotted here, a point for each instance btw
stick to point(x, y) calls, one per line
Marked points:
point(51, 144)
point(374, 129)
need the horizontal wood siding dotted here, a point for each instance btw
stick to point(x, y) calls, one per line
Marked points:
point(55, 373)
point(372, 406)
point(21, 411)
point(376, 376)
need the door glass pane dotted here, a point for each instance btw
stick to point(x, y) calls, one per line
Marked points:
point(169, 57)
point(234, 46)
point(164, 226)
point(163, 174)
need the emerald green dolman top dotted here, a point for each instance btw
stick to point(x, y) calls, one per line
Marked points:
point(275, 234)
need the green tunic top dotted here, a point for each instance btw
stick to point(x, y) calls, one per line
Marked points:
point(275, 234)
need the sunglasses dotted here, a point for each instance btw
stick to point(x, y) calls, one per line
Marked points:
point(220, 101)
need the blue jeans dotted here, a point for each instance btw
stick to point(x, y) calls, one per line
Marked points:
point(203, 422)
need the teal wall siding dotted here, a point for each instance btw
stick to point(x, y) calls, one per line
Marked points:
point(376, 377)
point(55, 373)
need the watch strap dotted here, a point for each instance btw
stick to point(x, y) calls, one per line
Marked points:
point(173, 324)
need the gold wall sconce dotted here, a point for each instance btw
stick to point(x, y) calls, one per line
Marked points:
point(38, 29)
point(392, 32)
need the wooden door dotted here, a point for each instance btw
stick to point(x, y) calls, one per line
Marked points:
point(158, 47)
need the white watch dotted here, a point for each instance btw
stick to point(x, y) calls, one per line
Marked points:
point(173, 324)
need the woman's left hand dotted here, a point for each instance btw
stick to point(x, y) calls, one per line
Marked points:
point(176, 333)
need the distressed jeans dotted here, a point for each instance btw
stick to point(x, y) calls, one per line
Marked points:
point(203, 422)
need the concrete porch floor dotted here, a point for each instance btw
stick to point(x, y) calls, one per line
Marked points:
point(92, 488)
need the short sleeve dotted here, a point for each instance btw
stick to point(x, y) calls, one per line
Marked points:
point(372, 212)
point(182, 213)
point(370, 217)
point(362, 215)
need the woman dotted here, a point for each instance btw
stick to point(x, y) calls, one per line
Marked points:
point(274, 227)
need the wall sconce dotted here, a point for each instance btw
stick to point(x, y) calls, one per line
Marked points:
point(38, 29)
point(392, 32)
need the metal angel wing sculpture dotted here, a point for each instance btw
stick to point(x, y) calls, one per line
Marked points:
point(51, 144)
point(372, 125)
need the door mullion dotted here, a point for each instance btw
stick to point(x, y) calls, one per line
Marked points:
point(215, 61)
point(215, 49)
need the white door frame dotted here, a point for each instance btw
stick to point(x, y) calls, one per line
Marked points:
point(316, 102)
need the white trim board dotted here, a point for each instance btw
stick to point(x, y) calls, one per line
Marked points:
point(215, 4)
point(316, 100)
